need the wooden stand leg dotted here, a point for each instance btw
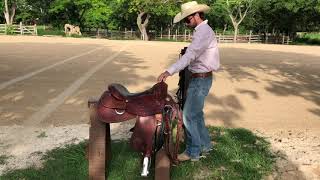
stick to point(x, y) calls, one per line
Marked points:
point(99, 146)
point(162, 166)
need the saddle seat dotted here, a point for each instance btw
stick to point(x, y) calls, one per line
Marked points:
point(145, 103)
point(121, 92)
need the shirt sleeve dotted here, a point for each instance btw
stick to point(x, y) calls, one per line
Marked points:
point(200, 42)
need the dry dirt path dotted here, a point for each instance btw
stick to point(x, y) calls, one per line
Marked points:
point(45, 83)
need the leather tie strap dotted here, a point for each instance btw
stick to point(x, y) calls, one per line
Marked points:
point(201, 75)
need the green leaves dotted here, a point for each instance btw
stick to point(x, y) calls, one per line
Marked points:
point(277, 15)
point(98, 15)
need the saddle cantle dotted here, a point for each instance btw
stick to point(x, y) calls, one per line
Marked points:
point(126, 105)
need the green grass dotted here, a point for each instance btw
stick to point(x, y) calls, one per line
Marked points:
point(237, 154)
point(62, 163)
point(49, 31)
point(309, 38)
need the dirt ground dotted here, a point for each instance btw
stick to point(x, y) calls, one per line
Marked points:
point(45, 83)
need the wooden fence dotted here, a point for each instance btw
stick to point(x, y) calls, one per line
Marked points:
point(3, 29)
point(168, 34)
point(111, 34)
point(247, 38)
point(220, 38)
point(18, 29)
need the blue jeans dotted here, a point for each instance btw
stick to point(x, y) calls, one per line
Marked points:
point(197, 135)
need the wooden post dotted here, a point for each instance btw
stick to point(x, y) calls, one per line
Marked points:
point(250, 36)
point(161, 33)
point(176, 34)
point(185, 35)
point(162, 166)
point(169, 34)
point(189, 35)
point(131, 33)
point(99, 145)
point(282, 38)
point(267, 37)
point(21, 28)
point(35, 30)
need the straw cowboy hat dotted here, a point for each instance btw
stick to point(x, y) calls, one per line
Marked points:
point(189, 8)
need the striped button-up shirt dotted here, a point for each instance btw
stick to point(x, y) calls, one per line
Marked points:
point(202, 54)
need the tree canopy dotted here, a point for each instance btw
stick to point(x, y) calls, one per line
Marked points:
point(257, 15)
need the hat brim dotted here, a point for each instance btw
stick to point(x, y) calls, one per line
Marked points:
point(199, 8)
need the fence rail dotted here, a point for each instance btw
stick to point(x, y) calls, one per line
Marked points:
point(3, 29)
point(166, 34)
point(18, 29)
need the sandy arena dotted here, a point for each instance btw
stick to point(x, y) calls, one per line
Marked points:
point(45, 82)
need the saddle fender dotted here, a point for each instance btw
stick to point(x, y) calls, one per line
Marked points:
point(143, 134)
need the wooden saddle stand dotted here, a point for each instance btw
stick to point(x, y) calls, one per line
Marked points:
point(156, 133)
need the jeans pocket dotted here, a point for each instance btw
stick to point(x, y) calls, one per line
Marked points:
point(205, 86)
point(200, 86)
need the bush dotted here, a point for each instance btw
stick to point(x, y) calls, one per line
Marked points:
point(49, 31)
point(10, 30)
point(308, 38)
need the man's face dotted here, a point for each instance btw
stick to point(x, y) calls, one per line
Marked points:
point(190, 21)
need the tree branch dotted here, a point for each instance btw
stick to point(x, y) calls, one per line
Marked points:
point(146, 21)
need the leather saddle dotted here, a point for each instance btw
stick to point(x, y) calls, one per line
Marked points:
point(153, 124)
point(126, 105)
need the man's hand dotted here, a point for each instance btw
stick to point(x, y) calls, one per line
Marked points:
point(163, 76)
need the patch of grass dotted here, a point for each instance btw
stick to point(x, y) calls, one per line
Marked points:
point(42, 135)
point(308, 38)
point(125, 162)
point(3, 159)
point(61, 163)
point(237, 154)
point(49, 31)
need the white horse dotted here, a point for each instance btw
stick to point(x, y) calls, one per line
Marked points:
point(71, 29)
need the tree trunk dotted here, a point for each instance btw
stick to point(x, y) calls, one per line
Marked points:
point(8, 17)
point(6, 12)
point(235, 33)
point(224, 29)
point(238, 18)
point(13, 12)
point(143, 26)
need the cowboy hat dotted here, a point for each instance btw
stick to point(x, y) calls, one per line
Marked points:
point(189, 8)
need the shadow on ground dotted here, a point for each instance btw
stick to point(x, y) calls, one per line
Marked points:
point(293, 75)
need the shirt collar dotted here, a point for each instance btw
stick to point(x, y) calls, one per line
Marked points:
point(202, 23)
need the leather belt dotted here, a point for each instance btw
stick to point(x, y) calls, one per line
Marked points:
point(201, 75)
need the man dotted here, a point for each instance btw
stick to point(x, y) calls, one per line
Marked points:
point(202, 56)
